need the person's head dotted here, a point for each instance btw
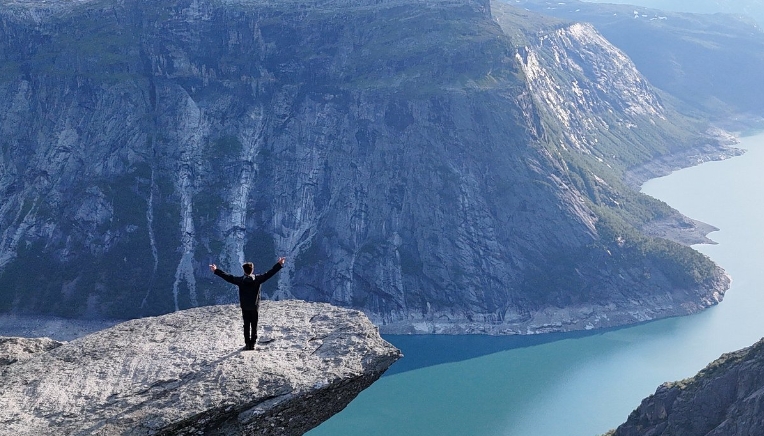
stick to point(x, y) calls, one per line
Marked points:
point(248, 268)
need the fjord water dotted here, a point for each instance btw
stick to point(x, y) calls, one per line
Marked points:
point(583, 385)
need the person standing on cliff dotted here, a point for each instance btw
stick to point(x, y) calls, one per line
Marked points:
point(249, 295)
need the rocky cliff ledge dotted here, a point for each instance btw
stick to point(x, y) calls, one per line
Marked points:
point(726, 398)
point(14, 350)
point(186, 373)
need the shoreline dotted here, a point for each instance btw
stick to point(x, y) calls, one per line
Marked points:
point(681, 229)
point(678, 227)
point(664, 165)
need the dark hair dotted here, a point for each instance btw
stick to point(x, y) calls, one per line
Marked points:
point(248, 268)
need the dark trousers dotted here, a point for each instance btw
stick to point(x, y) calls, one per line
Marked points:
point(250, 322)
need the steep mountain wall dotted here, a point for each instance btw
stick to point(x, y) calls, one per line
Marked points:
point(711, 63)
point(415, 160)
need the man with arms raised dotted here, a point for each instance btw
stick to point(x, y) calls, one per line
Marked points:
point(249, 295)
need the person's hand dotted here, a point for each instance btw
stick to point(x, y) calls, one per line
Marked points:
point(213, 267)
point(282, 260)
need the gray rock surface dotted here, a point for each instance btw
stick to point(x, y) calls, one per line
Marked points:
point(186, 373)
point(56, 328)
point(724, 399)
point(13, 349)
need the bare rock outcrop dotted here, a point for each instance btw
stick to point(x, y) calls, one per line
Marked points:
point(14, 350)
point(186, 373)
point(724, 399)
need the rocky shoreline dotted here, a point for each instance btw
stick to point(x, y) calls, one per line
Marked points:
point(721, 148)
point(725, 398)
point(680, 228)
point(573, 318)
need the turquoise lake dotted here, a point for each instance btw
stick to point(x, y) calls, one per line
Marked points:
point(582, 384)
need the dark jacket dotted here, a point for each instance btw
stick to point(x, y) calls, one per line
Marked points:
point(249, 286)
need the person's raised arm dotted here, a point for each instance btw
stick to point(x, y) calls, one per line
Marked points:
point(265, 276)
point(224, 275)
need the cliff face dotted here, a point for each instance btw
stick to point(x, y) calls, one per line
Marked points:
point(185, 373)
point(439, 175)
point(708, 62)
point(725, 399)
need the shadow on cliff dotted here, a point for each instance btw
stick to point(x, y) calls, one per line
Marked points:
point(421, 351)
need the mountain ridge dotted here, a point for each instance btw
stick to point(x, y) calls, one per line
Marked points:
point(707, 63)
